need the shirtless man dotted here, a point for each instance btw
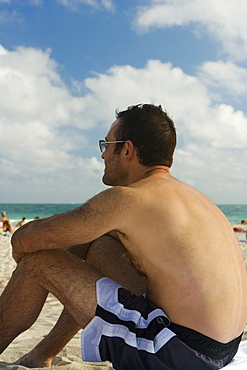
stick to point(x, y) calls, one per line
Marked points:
point(195, 308)
point(21, 223)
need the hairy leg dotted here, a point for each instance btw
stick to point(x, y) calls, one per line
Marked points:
point(45, 351)
point(109, 257)
point(35, 276)
point(62, 332)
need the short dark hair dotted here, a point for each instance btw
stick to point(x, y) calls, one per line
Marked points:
point(152, 132)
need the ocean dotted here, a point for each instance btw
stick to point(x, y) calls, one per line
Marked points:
point(16, 211)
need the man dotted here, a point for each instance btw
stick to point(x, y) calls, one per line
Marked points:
point(21, 223)
point(142, 234)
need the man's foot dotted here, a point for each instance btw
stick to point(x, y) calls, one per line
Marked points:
point(28, 361)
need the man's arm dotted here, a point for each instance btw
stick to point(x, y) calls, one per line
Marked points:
point(82, 225)
point(79, 250)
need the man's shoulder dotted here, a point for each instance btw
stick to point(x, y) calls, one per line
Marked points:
point(119, 196)
point(117, 193)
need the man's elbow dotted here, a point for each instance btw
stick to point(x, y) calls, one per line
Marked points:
point(18, 241)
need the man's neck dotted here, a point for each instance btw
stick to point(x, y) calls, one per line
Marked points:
point(141, 172)
point(163, 169)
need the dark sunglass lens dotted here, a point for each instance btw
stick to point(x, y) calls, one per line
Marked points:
point(102, 146)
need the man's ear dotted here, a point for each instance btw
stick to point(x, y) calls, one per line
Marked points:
point(129, 149)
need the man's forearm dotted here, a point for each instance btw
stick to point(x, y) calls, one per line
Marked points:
point(79, 226)
point(42, 235)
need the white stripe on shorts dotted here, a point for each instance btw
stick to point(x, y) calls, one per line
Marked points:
point(107, 295)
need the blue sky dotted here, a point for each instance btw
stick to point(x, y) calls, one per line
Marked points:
point(65, 66)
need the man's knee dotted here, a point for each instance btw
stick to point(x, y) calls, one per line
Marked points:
point(31, 263)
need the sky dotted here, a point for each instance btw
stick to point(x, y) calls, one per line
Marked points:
point(67, 65)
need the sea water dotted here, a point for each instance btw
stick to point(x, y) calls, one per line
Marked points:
point(16, 211)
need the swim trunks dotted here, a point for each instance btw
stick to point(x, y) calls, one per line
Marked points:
point(134, 334)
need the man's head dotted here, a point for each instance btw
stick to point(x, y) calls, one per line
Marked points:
point(114, 174)
point(152, 132)
point(145, 130)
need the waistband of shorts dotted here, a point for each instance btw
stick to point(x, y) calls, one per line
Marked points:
point(203, 344)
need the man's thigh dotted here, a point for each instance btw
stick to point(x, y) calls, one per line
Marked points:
point(67, 277)
point(109, 256)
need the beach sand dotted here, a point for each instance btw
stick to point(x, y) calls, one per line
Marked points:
point(70, 357)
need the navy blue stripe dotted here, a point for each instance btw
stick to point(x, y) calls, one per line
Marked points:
point(150, 332)
point(136, 303)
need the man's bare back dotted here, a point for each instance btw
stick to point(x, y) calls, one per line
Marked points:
point(187, 250)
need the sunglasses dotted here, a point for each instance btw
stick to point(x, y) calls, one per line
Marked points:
point(104, 144)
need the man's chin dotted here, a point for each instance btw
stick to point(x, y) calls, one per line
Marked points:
point(106, 182)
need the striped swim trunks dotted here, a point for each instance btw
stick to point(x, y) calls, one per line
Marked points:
point(133, 334)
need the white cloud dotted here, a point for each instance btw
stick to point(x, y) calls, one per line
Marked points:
point(46, 133)
point(224, 21)
point(41, 124)
point(159, 82)
point(225, 77)
point(108, 4)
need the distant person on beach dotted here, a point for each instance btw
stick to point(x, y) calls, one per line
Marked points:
point(244, 222)
point(21, 223)
point(139, 236)
point(8, 228)
point(4, 217)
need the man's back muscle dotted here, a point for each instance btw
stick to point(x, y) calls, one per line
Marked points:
point(186, 247)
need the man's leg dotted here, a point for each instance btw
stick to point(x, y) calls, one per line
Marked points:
point(106, 255)
point(71, 280)
point(45, 351)
point(62, 332)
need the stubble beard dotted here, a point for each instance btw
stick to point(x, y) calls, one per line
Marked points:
point(114, 174)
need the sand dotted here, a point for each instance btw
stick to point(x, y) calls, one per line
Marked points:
point(70, 357)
